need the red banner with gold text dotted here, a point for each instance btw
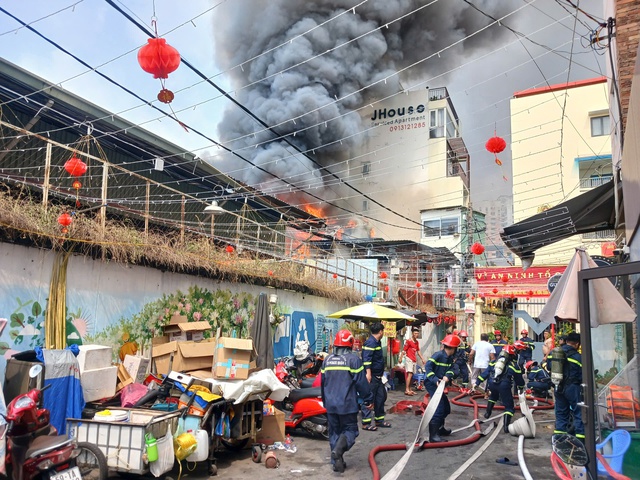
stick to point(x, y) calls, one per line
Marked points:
point(512, 281)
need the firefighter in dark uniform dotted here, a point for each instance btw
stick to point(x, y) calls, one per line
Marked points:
point(498, 343)
point(461, 357)
point(439, 368)
point(502, 374)
point(539, 380)
point(526, 354)
point(373, 362)
point(567, 393)
point(343, 380)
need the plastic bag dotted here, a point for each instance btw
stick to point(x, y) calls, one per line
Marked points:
point(166, 456)
point(132, 393)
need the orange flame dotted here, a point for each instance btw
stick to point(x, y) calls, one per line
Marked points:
point(315, 211)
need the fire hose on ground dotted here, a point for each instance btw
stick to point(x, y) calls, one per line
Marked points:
point(515, 428)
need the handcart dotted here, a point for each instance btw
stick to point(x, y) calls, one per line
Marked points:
point(123, 442)
point(227, 425)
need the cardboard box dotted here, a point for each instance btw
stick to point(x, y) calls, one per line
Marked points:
point(93, 357)
point(99, 383)
point(187, 356)
point(137, 367)
point(190, 331)
point(179, 329)
point(232, 358)
point(272, 428)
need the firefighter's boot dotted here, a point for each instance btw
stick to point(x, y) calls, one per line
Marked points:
point(434, 436)
point(507, 421)
point(337, 452)
point(487, 413)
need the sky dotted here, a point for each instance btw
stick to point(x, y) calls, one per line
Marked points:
point(248, 48)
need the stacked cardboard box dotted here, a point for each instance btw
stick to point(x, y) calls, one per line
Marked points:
point(97, 374)
point(232, 358)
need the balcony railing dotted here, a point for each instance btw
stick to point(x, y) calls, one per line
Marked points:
point(593, 182)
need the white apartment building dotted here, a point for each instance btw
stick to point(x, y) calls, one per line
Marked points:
point(498, 214)
point(411, 159)
point(560, 148)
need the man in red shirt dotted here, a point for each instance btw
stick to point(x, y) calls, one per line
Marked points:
point(410, 353)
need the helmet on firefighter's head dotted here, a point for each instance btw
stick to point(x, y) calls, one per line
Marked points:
point(528, 365)
point(519, 345)
point(452, 341)
point(497, 332)
point(524, 332)
point(344, 338)
point(510, 349)
point(463, 333)
point(455, 332)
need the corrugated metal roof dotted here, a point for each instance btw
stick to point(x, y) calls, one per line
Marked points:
point(130, 147)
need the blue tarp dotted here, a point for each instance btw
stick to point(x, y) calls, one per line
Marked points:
point(64, 398)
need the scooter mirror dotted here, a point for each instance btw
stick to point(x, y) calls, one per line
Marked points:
point(35, 371)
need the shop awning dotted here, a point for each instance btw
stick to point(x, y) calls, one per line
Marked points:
point(590, 212)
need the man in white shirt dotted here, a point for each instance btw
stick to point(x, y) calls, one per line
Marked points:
point(481, 354)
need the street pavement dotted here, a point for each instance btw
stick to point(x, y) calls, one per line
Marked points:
point(311, 460)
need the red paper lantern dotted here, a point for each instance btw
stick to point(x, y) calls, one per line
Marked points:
point(418, 284)
point(386, 288)
point(495, 144)
point(270, 273)
point(75, 167)
point(495, 290)
point(530, 293)
point(158, 58)
point(65, 219)
point(76, 184)
point(335, 275)
point(166, 96)
point(448, 292)
point(505, 279)
point(229, 249)
point(415, 291)
point(383, 275)
point(477, 248)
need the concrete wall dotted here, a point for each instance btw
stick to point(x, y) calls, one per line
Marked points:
point(105, 300)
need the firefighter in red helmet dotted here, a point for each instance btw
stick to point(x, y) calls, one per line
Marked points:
point(498, 343)
point(343, 380)
point(439, 368)
point(526, 354)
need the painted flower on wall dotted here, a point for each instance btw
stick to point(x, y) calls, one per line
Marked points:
point(231, 312)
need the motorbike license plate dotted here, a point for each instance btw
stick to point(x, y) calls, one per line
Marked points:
point(72, 473)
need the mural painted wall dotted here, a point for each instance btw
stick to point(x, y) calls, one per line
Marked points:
point(106, 301)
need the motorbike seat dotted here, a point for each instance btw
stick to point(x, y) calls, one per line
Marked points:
point(307, 382)
point(46, 443)
point(301, 393)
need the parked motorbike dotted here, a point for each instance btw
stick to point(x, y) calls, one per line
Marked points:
point(305, 363)
point(303, 407)
point(36, 451)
